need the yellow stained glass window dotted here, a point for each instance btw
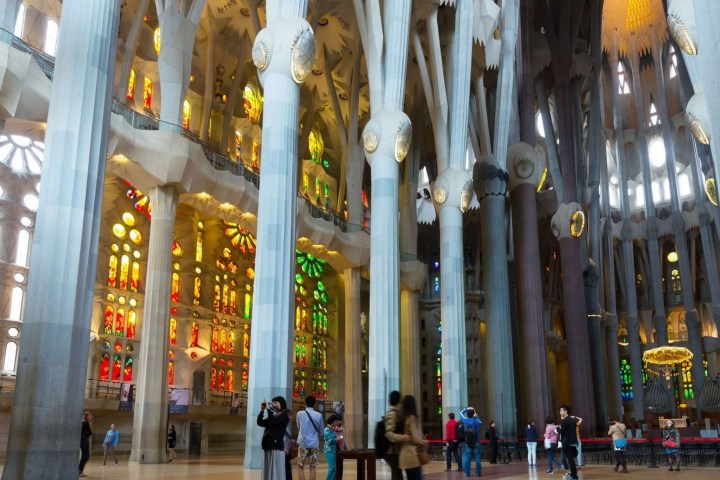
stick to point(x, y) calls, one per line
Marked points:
point(316, 145)
point(173, 331)
point(131, 323)
point(231, 343)
point(225, 294)
point(252, 102)
point(135, 277)
point(199, 247)
point(124, 271)
point(131, 85)
point(175, 287)
point(196, 291)
point(187, 109)
point(156, 40)
point(112, 271)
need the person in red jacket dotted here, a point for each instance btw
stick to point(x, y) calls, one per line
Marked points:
point(451, 441)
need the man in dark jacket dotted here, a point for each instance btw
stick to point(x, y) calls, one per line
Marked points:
point(568, 437)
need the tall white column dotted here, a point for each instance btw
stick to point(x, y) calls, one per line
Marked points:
point(52, 364)
point(283, 53)
point(151, 403)
point(8, 17)
point(353, 420)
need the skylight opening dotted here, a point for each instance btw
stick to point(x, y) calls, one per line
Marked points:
point(51, 38)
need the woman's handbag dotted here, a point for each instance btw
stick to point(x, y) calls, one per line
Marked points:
point(670, 443)
point(423, 455)
point(548, 444)
point(293, 450)
point(620, 443)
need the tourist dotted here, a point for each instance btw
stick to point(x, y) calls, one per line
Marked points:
point(551, 441)
point(112, 437)
point(409, 459)
point(171, 440)
point(471, 427)
point(309, 424)
point(618, 432)
point(451, 442)
point(85, 435)
point(273, 441)
point(671, 442)
point(392, 417)
point(531, 435)
point(331, 444)
point(492, 437)
point(568, 436)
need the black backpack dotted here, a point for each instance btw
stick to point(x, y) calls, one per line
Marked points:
point(469, 435)
point(460, 431)
point(382, 444)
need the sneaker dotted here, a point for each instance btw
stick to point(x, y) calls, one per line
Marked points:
point(549, 471)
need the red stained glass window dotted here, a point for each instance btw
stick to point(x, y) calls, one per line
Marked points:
point(116, 368)
point(104, 373)
point(194, 334)
point(128, 371)
point(120, 322)
point(132, 321)
point(108, 320)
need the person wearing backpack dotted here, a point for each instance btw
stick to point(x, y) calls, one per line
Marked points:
point(451, 441)
point(471, 427)
point(393, 425)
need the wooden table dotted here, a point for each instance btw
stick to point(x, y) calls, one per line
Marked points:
point(362, 457)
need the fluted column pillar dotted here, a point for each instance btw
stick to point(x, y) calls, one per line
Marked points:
point(151, 402)
point(525, 170)
point(45, 423)
point(410, 374)
point(283, 53)
point(354, 426)
point(490, 183)
point(380, 137)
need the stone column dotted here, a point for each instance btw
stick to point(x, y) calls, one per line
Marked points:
point(410, 344)
point(151, 402)
point(490, 183)
point(354, 425)
point(380, 137)
point(283, 53)
point(525, 170)
point(8, 17)
point(52, 366)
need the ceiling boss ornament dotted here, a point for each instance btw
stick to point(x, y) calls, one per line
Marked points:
point(388, 134)
point(286, 47)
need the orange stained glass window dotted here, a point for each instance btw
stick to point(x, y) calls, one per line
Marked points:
point(199, 247)
point(104, 373)
point(246, 345)
point(231, 343)
point(196, 291)
point(248, 305)
point(221, 379)
point(128, 370)
point(233, 301)
point(229, 380)
point(213, 378)
point(306, 182)
point(216, 299)
point(131, 323)
point(225, 293)
point(173, 331)
point(135, 277)
point(255, 154)
point(108, 320)
point(131, 85)
point(238, 145)
point(112, 271)
point(156, 40)
point(194, 333)
point(116, 368)
point(171, 373)
point(120, 322)
point(147, 93)
point(124, 271)
point(223, 341)
point(175, 288)
point(215, 339)
point(187, 109)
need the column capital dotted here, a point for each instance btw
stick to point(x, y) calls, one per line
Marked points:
point(452, 189)
point(568, 221)
point(525, 165)
point(489, 179)
point(286, 47)
point(387, 134)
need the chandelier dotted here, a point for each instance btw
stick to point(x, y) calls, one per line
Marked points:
point(665, 358)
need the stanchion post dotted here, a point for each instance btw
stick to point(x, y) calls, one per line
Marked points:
point(653, 460)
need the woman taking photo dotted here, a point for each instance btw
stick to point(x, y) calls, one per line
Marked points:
point(671, 442)
point(273, 440)
point(409, 460)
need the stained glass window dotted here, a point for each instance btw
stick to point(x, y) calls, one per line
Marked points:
point(22, 154)
point(175, 288)
point(156, 40)
point(225, 298)
point(187, 109)
point(626, 380)
point(687, 380)
point(246, 345)
point(316, 145)
point(305, 182)
point(23, 245)
point(199, 244)
point(213, 378)
point(171, 372)
point(124, 271)
point(675, 280)
point(147, 93)
point(120, 322)
point(623, 86)
point(252, 102)
point(196, 291)
point(673, 63)
point(135, 277)
point(128, 371)
point(131, 323)
point(116, 368)
point(231, 343)
point(194, 333)
point(240, 237)
point(229, 380)
point(16, 303)
point(112, 271)
point(104, 373)
point(108, 320)
point(173, 331)
point(215, 339)
point(131, 85)
point(216, 299)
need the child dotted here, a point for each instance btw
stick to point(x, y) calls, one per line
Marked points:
point(340, 435)
point(331, 444)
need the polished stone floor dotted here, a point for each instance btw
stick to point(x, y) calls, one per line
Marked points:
point(225, 468)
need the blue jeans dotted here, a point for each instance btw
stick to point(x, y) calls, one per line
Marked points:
point(551, 456)
point(468, 453)
point(579, 455)
point(330, 457)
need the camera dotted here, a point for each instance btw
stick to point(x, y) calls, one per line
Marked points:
point(263, 405)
